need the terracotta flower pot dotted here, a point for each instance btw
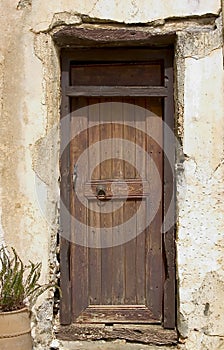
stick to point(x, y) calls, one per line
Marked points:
point(15, 331)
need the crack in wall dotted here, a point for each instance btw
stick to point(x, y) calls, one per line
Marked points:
point(135, 9)
point(93, 8)
point(218, 166)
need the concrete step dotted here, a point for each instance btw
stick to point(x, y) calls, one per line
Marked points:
point(106, 345)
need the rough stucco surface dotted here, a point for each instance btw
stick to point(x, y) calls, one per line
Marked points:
point(201, 220)
point(29, 146)
point(128, 11)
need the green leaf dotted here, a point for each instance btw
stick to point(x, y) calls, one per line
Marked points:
point(14, 287)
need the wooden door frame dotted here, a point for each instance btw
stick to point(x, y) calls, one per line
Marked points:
point(134, 54)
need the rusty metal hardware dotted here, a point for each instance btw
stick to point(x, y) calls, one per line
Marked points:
point(74, 176)
point(101, 192)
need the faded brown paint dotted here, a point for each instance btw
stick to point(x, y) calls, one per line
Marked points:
point(92, 269)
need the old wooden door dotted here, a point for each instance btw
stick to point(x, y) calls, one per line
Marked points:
point(115, 249)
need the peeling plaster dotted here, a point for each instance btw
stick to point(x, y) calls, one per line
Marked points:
point(24, 4)
point(191, 24)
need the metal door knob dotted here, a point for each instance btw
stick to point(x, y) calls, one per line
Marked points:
point(101, 192)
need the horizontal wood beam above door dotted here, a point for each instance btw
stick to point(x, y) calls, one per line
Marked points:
point(92, 36)
point(159, 91)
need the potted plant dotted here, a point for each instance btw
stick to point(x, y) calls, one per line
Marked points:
point(19, 289)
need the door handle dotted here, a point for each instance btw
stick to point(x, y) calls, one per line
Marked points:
point(101, 192)
point(74, 175)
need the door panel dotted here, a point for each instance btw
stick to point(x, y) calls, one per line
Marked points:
point(116, 74)
point(119, 282)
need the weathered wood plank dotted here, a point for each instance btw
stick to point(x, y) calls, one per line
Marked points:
point(130, 205)
point(72, 36)
point(65, 283)
point(115, 54)
point(106, 220)
point(75, 91)
point(117, 314)
point(79, 253)
point(145, 334)
point(118, 275)
point(140, 139)
point(116, 74)
point(169, 201)
point(118, 189)
point(154, 265)
point(94, 214)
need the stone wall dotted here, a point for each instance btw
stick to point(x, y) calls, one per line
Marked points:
point(29, 143)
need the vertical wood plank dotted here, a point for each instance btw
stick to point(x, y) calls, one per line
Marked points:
point(140, 123)
point(118, 275)
point(106, 220)
point(129, 206)
point(79, 253)
point(65, 283)
point(154, 264)
point(94, 214)
point(169, 192)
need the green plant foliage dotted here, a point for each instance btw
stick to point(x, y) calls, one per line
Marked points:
point(16, 290)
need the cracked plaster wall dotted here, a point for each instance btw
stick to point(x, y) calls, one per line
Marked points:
point(29, 146)
point(200, 220)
